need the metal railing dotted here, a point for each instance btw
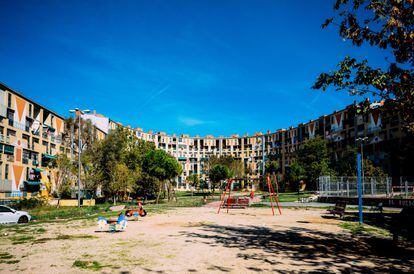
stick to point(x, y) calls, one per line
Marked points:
point(4, 139)
point(347, 186)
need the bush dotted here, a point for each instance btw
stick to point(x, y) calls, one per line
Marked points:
point(28, 203)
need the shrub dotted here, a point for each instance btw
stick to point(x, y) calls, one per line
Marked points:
point(28, 203)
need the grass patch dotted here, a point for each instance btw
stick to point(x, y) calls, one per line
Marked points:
point(357, 229)
point(41, 230)
point(289, 196)
point(90, 265)
point(21, 239)
point(9, 262)
point(64, 237)
point(6, 256)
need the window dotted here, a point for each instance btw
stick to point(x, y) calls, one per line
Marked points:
point(6, 171)
point(26, 156)
point(9, 100)
point(11, 132)
point(30, 110)
point(4, 209)
point(27, 173)
point(10, 116)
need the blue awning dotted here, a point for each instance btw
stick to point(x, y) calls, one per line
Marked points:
point(32, 183)
point(48, 156)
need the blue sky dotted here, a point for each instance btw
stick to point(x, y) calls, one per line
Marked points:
point(195, 67)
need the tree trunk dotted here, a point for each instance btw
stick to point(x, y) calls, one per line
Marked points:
point(114, 199)
point(168, 192)
point(159, 192)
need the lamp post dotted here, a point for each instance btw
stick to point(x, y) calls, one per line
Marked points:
point(79, 112)
point(362, 140)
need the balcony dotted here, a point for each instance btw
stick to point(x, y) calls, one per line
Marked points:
point(4, 139)
point(18, 125)
point(372, 129)
point(3, 111)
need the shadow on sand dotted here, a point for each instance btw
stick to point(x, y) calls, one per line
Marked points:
point(307, 249)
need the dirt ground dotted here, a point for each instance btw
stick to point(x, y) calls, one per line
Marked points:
point(199, 240)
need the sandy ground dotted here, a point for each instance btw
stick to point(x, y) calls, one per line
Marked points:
point(199, 240)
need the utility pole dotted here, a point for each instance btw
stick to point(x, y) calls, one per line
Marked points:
point(79, 114)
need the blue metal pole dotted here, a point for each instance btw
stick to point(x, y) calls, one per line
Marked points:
point(359, 173)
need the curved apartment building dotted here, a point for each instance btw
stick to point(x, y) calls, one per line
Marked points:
point(31, 135)
point(384, 142)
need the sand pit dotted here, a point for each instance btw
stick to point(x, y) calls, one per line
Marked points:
point(198, 240)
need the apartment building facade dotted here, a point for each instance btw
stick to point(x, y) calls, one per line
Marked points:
point(384, 143)
point(30, 137)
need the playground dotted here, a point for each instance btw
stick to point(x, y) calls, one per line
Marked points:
point(191, 240)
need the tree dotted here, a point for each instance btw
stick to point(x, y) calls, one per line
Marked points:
point(88, 133)
point(164, 167)
point(194, 179)
point(370, 170)
point(313, 157)
point(296, 174)
point(389, 26)
point(272, 166)
point(234, 165)
point(218, 173)
point(345, 165)
point(64, 174)
point(121, 181)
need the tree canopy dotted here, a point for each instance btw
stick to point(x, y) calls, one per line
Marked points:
point(389, 26)
point(218, 173)
point(314, 159)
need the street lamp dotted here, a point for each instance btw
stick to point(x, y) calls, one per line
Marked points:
point(79, 112)
point(362, 140)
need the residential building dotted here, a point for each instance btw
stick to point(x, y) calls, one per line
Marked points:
point(30, 137)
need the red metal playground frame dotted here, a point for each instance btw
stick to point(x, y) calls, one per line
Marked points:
point(273, 196)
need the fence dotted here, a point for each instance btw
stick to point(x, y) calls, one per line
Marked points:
point(371, 187)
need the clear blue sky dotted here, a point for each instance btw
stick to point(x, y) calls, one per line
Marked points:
point(195, 67)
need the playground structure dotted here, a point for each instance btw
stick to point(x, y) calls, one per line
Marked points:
point(245, 201)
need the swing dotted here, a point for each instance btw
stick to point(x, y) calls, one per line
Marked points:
point(241, 202)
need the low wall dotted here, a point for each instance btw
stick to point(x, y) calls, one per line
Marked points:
point(74, 202)
point(371, 201)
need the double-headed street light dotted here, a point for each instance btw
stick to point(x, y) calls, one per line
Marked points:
point(79, 112)
point(362, 140)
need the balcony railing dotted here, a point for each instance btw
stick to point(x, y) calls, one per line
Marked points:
point(4, 139)
point(3, 110)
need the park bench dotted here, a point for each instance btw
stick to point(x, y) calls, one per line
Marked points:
point(339, 209)
point(239, 202)
point(377, 208)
